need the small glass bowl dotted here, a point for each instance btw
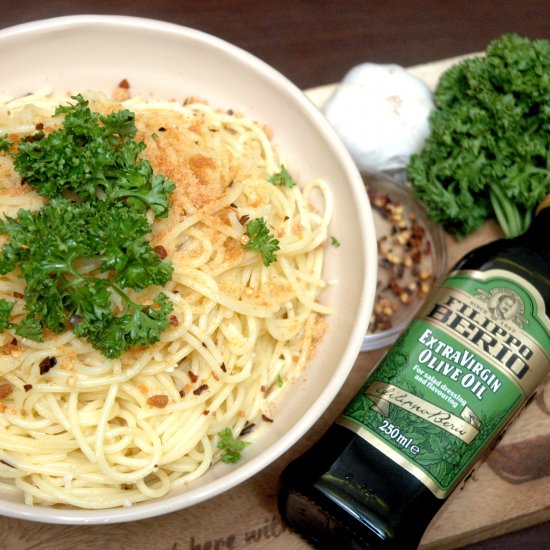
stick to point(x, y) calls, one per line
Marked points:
point(412, 258)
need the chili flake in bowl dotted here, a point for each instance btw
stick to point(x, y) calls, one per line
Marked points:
point(412, 256)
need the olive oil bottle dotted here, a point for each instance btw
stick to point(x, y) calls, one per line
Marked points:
point(446, 390)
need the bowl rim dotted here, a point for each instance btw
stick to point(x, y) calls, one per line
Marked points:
point(172, 503)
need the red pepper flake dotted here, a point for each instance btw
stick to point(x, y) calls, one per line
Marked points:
point(35, 137)
point(263, 389)
point(5, 389)
point(192, 376)
point(395, 287)
point(161, 251)
point(75, 319)
point(9, 349)
point(27, 387)
point(416, 256)
point(159, 401)
point(124, 84)
point(247, 429)
point(417, 231)
point(200, 389)
point(162, 129)
point(243, 219)
point(266, 418)
point(173, 320)
point(39, 126)
point(18, 295)
point(46, 364)
point(206, 412)
point(182, 393)
point(223, 367)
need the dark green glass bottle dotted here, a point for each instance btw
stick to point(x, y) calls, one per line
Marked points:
point(355, 489)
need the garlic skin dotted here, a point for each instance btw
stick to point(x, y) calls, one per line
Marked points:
point(381, 114)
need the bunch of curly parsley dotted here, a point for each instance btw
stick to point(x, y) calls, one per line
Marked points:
point(99, 193)
point(488, 155)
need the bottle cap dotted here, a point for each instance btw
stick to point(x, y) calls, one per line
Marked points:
point(544, 204)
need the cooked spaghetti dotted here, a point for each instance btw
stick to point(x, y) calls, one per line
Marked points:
point(93, 432)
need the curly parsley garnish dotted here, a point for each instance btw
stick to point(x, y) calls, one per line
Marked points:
point(231, 447)
point(487, 154)
point(5, 310)
point(260, 239)
point(99, 194)
point(283, 178)
point(5, 143)
point(95, 157)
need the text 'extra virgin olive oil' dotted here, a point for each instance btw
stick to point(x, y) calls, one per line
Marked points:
point(448, 387)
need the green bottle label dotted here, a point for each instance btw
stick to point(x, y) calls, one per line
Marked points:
point(466, 364)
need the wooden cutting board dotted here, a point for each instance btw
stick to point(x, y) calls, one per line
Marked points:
point(508, 491)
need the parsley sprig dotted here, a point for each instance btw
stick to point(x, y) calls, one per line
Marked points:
point(5, 143)
point(5, 310)
point(260, 239)
point(102, 223)
point(283, 178)
point(231, 447)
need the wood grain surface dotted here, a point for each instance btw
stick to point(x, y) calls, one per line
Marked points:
point(315, 43)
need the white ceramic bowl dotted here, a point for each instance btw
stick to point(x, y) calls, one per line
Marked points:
point(163, 60)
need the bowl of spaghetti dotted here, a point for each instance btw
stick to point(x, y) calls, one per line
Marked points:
point(187, 270)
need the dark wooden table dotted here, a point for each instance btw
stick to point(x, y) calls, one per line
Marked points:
point(317, 42)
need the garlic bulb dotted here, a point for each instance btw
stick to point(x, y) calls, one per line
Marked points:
point(381, 114)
